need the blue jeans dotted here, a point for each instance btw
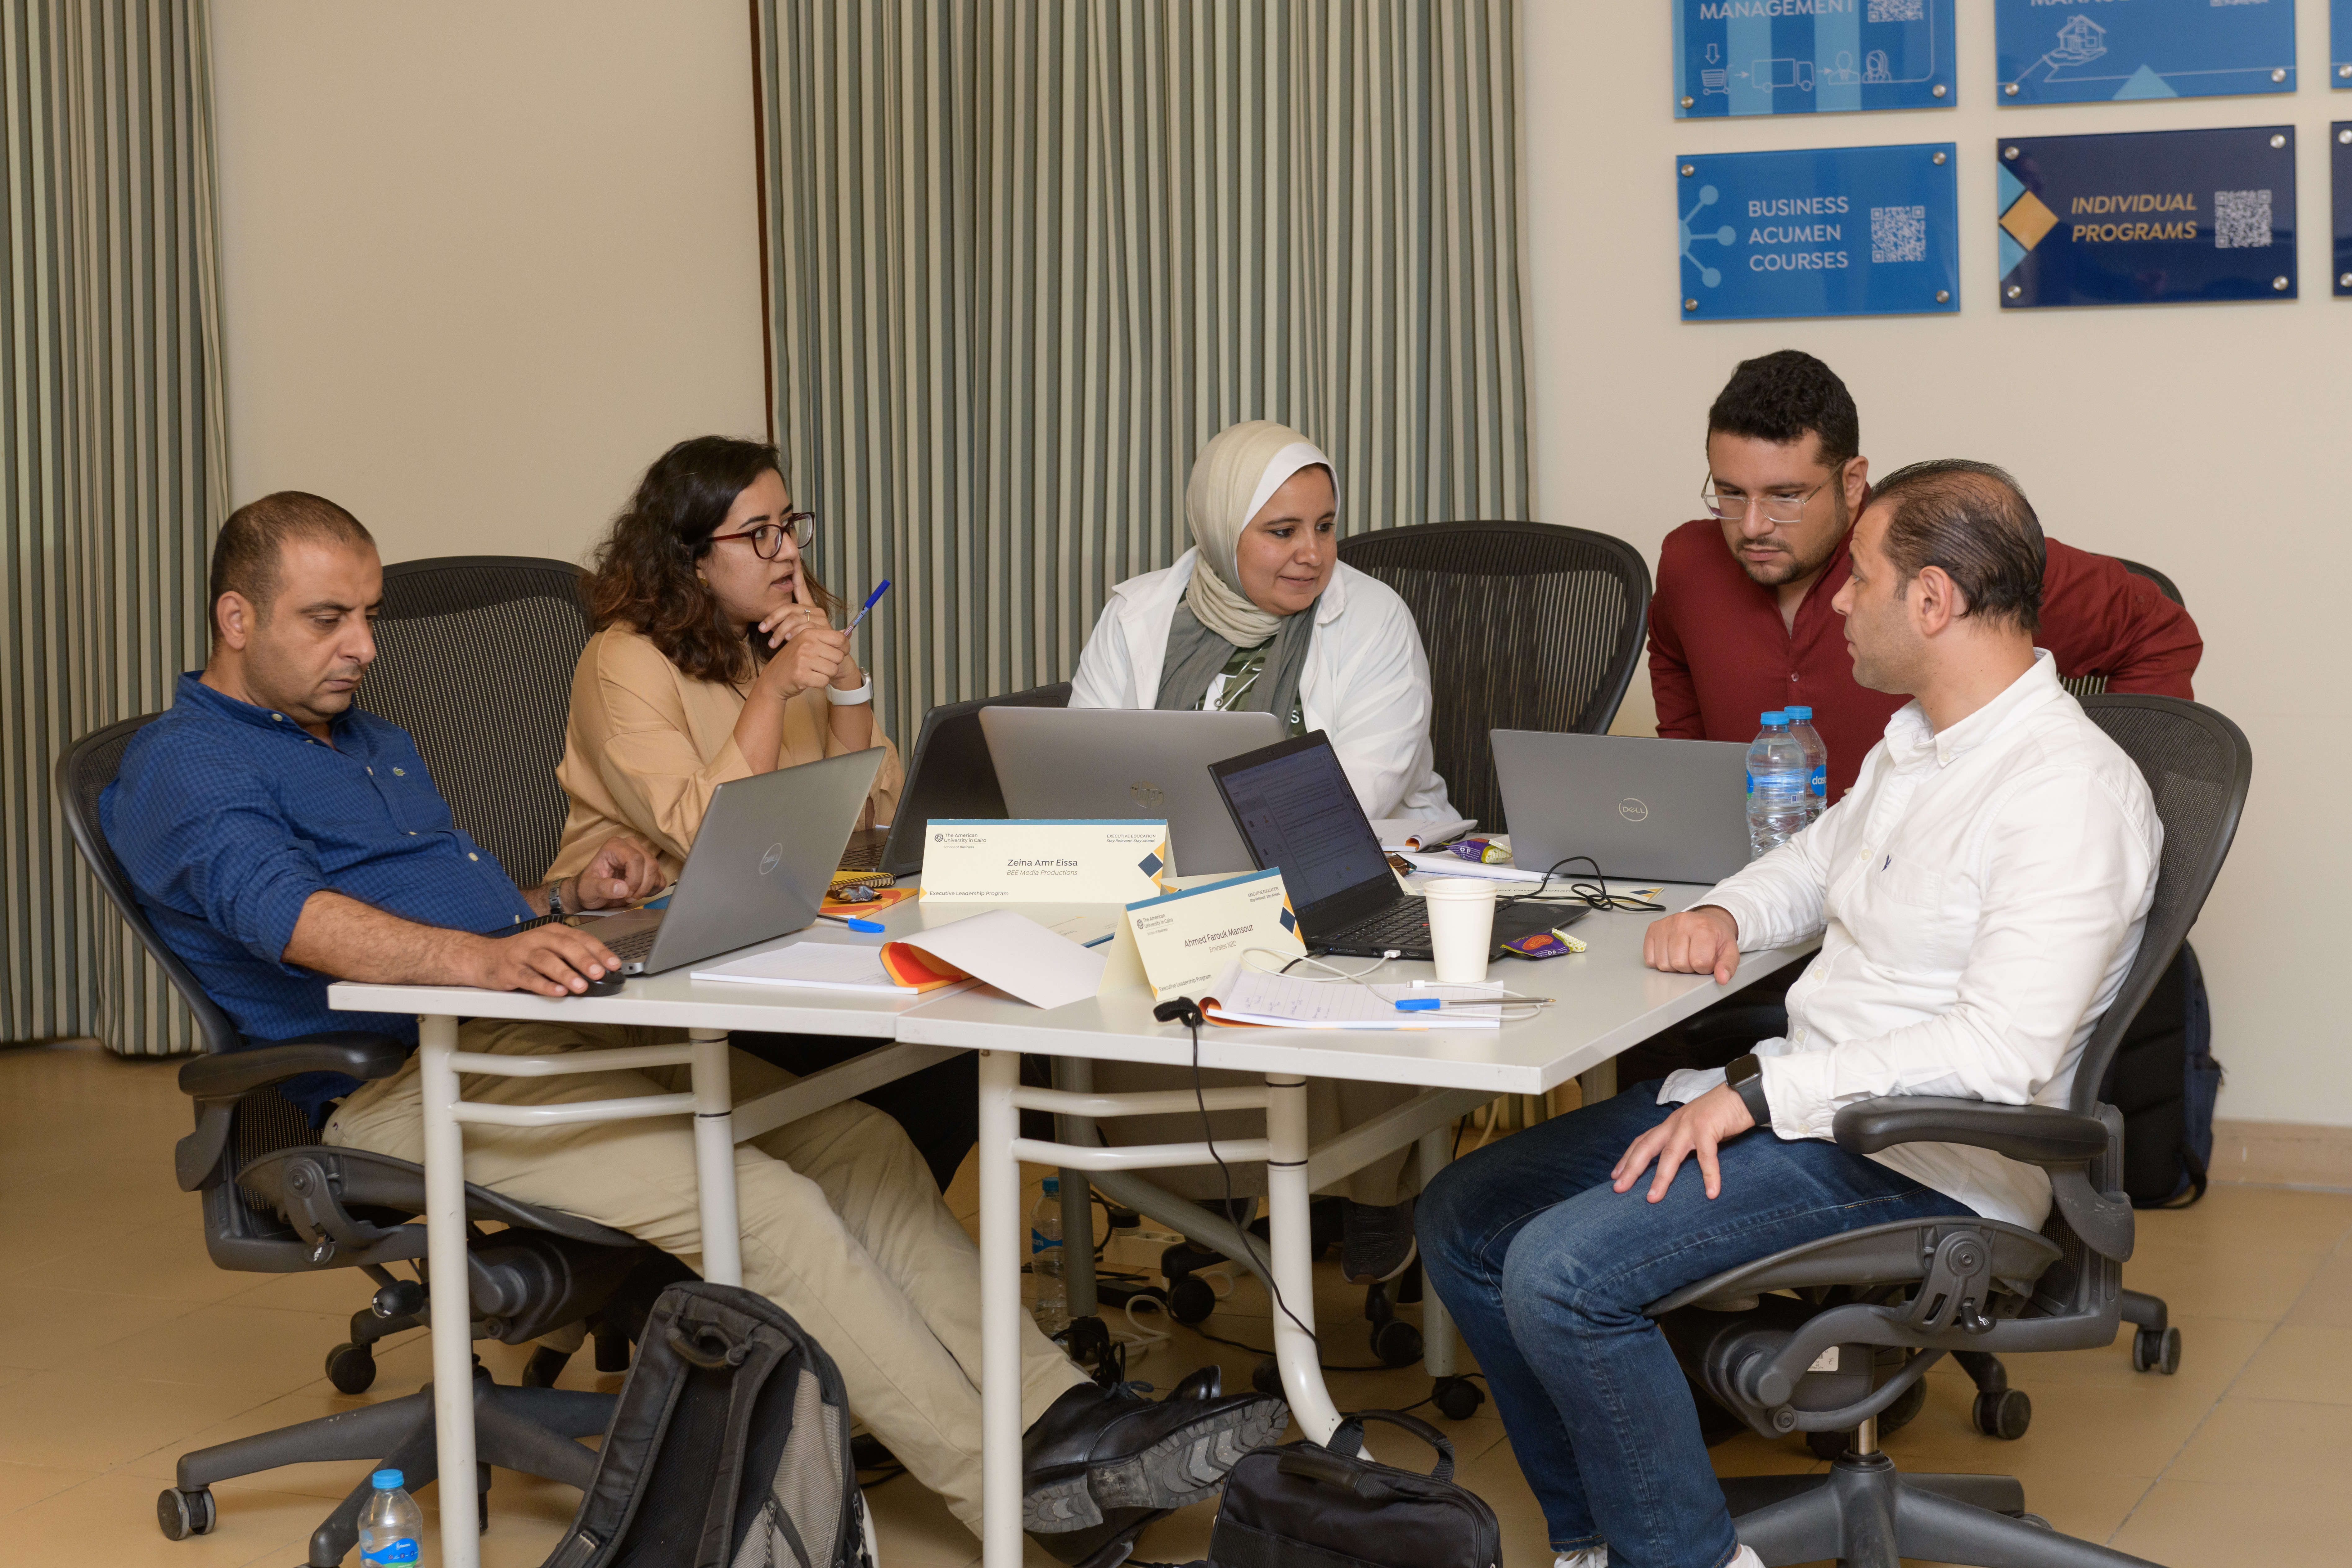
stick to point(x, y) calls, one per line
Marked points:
point(1546, 1271)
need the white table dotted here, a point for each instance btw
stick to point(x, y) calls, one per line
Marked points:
point(1606, 1002)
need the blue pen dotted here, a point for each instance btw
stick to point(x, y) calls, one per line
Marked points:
point(880, 589)
point(1421, 1003)
point(853, 923)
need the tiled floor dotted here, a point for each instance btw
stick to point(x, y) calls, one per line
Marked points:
point(121, 1345)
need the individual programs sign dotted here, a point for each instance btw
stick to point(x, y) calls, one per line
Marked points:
point(2084, 51)
point(1810, 57)
point(2151, 218)
point(1842, 231)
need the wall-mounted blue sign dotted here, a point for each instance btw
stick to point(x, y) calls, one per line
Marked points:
point(2047, 53)
point(2339, 160)
point(2339, 42)
point(2154, 218)
point(1844, 231)
point(1812, 57)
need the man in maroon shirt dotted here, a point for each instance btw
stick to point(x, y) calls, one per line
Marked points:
point(1742, 621)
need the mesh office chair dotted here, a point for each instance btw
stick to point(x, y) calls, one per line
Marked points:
point(1528, 626)
point(276, 1201)
point(1947, 1286)
point(475, 656)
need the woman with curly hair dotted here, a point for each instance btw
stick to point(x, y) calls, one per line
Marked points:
point(715, 658)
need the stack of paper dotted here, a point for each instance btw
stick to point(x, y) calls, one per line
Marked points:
point(826, 965)
point(1399, 833)
point(1288, 1002)
point(1443, 864)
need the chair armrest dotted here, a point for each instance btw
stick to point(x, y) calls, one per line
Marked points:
point(2036, 1134)
point(227, 1074)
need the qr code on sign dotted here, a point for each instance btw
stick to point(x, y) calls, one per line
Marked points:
point(1899, 234)
point(2242, 220)
point(1897, 10)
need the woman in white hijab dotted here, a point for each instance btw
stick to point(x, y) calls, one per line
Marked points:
point(1260, 614)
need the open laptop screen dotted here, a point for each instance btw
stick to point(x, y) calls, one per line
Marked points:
point(1294, 809)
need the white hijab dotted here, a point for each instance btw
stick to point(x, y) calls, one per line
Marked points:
point(1234, 475)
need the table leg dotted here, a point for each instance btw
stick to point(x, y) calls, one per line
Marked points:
point(1598, 1083)
point(1076, 1075)
point(452, 1299)
point(1288, 1230)
point(714, 1159)
point(1000, 1311)
point(1436, 1325)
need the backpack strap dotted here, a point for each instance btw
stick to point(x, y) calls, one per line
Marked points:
point(1350, 1437)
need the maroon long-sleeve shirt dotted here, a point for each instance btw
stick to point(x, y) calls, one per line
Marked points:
point(1720, 656)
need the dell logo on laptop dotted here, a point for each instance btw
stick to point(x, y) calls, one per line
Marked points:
point(768, 862)
point(1634, 809)
point(1147, 795)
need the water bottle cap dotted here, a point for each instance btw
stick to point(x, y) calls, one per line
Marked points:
point(386, 1481)
point(1775, 717)
point(1053, 1186)
point(1799, 715)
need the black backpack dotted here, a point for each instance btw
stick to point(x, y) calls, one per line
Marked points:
point(2165, 1081)
point(1308, 1505)
point(729, 1448)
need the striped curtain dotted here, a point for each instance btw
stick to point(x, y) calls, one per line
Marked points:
point(1024, 256)
point(113, 454)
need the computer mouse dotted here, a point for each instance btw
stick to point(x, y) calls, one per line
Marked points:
point(608, 986)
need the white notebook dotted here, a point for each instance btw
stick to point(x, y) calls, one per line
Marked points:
point(1288, 1002)
point(828, 965)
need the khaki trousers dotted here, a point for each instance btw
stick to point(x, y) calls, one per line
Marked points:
point(843, 1228)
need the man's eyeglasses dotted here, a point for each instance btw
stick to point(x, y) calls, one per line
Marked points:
point(1777, 507)
point(768, 539)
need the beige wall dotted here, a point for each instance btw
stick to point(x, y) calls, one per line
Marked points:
point(483, 262)
point(2204, 439)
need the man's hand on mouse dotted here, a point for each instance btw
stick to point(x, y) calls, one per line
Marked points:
point(1696, 941)
point(550, 959)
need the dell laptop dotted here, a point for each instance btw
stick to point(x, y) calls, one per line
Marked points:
point(1662, 811)
point(1127, 762)
point(759, 868)
point(948, 775)
point(1294, 809)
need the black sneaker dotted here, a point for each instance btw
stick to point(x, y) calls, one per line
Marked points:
point(1376, 1243)
point(1102, 1448)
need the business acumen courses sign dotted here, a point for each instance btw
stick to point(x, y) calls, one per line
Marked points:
point(1847, 231)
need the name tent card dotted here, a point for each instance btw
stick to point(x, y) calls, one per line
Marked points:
point(1182, 940)
point(1810, 57)
point(1842, 231)
point(1045, 861)
point(2147, 217)
point(2137, 50)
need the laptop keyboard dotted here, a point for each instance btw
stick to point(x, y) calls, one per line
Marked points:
point(633, 948)
point(1404, 923)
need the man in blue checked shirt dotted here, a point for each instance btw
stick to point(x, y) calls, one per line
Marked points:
point(280, 837)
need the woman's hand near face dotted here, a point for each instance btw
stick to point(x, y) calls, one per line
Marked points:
point(809, 652)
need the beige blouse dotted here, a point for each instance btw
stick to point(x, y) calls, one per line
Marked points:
point(646, 744)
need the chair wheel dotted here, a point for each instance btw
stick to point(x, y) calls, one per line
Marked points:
point(1396, 1343)
point(2005, 1413)
point(1458, 1399)
point(1829, 1445)
point(1190, 1299)
point(1266, 1376)
point(2156, 1350)
point(182, 1514)
point(1903, 1411)
point(352, 1368)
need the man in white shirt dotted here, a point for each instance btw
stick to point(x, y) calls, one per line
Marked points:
point(1979, 893)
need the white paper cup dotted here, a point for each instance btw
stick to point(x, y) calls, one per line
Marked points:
point(1461, 926)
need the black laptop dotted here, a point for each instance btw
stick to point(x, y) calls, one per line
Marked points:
point(948, 776)
point(1295, 810)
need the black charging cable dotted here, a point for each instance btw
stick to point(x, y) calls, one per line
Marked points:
point(1595, 893)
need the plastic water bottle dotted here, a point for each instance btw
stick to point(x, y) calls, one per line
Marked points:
point(1817, 753)
point(1051, 1310)
point(1777, 786)
point(392, 1526)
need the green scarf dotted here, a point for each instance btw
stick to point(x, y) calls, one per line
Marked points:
point(1196, 656)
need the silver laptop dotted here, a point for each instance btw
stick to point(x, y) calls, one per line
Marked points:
point(1126, 761)
point(758, 869)
point(1664, 811)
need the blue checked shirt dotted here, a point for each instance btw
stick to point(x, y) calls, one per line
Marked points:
point(226, 817)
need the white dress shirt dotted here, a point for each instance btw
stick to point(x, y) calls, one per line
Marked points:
point(1980, 895)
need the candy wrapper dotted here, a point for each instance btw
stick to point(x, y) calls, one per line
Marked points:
point(1544, 944)
point(1486, 851)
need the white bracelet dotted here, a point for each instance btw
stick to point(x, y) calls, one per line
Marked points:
point(851, 698)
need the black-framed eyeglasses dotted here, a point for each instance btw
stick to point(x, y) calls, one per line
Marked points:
point(768, 539)
point(1777, 507)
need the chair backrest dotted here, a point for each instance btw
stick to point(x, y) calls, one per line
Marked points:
point(88, 766)
point(1528, 626)
point(474, 658)
point(2198, 765)
point(2093, 685)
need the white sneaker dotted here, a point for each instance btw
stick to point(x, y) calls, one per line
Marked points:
point(1591, 1557)
point(1745, 1558)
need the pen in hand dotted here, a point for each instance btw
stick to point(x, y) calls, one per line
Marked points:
point(881, 588)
